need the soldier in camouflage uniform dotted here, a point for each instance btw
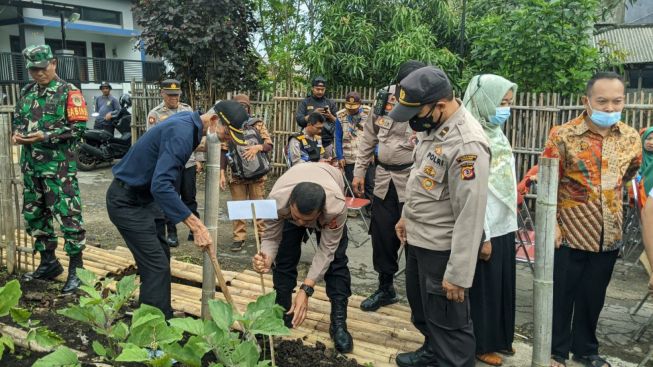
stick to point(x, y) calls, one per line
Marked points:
point(49, 120)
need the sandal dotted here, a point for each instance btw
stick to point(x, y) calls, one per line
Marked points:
point(492, 359)
point(508, 352)
point(593, 360)
point(559, 361)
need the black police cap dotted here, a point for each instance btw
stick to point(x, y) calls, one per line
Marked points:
point(422, 86)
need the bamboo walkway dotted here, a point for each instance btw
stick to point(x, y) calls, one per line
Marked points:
point(378, 336)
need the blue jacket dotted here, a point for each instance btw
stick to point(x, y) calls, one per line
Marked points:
point(157, 159)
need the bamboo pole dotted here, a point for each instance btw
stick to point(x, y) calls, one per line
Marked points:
point(258, 251)
point(211, 208)
point(7, 224)
point(545, 224)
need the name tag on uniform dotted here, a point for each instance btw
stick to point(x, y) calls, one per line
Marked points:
point(309, 107)
point(435, 159)
point(384, 122)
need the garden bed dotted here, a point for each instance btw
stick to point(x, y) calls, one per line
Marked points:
point(43, 299)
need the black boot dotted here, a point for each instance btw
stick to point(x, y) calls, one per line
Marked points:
point(49, 267)
point(383, 296)
point(73, 282)
point(342, 340)
point(423, 357)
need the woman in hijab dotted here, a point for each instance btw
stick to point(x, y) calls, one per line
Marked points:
point(645, 189)
point(492, 296)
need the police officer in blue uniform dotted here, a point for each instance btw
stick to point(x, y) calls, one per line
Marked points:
point(143, 191)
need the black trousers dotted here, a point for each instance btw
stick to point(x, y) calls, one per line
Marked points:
point(369, 179)
point(284, 271)
point(140, 221)
point(446, 325)
point(186, 186)
point(580, 280)
point(385, 243)
point(492, 297)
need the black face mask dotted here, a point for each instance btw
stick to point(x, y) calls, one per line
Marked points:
point(419, 124)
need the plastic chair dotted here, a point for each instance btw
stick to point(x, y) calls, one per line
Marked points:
point(357, 204)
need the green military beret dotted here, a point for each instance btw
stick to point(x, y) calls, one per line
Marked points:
point(38, 56)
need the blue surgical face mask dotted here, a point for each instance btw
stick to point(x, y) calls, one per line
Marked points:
point(501, 116)
point(604, 119)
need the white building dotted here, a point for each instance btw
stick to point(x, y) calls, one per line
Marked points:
point(104, 41)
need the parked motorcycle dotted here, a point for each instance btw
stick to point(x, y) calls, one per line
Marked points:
point(101, 146)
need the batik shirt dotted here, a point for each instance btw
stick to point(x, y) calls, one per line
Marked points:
point(593, 170)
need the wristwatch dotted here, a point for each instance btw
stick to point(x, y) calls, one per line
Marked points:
point(307, 289)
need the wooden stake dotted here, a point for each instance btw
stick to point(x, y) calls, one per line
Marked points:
point(258, 251)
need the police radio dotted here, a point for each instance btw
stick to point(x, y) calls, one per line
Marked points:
point(381, 100)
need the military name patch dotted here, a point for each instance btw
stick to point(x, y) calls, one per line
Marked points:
point(467, 172)
point(428, 184)
point(435, 159)
point(429, 171)
point(467, 158)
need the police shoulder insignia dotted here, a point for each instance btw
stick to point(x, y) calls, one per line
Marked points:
point(428, 184)
point(467, 158)
point(444, 131)
point(163, 117)
point(76, 107)
point(429, 171)
point(384, 122)
point(151, 120)
point(467, 172)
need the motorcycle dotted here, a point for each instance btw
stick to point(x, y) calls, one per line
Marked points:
point(101, 146)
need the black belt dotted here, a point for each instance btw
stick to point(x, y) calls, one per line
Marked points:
point(137, 189)
point(395, 167)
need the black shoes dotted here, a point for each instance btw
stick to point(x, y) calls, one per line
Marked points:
point(237, 246)
point(172, 239)
point(423, 357)
point(48, 269)
point(383, 296)
point(342, 339)
point(73, 282)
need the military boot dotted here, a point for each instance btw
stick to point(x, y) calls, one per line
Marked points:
point(73, 282)
point(49, 267)
point(342, 340)
point(423, 357)
point(384, 295)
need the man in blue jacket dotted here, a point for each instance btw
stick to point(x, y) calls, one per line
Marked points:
point(143, 191)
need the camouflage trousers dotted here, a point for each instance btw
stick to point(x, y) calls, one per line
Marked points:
point(48, 198)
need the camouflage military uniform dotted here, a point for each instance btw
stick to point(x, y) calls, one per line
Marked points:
point(49, 167)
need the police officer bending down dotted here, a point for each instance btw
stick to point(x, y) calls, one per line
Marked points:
point(309, 195)
point(442, 220)
point(143, 186)
point(307, 145)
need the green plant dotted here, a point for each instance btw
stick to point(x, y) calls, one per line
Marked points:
point(10, 294)
point(262, 317)
point(151, 340)
point(101, 309)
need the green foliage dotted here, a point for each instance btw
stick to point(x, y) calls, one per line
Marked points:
point(363, 42)
point(543, 46)
point(153, 341)
point(62, 357)
point(206, 41)
point(10, 294)
point(101, 309)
